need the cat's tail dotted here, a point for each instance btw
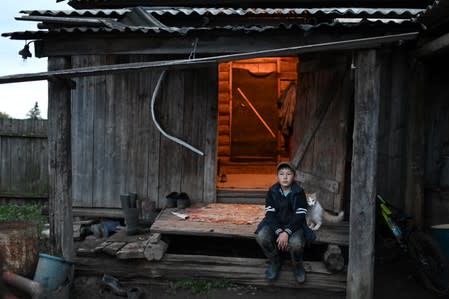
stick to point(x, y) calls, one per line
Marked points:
point(333, 218)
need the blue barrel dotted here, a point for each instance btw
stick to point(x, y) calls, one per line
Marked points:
point(440, 233)
point(52, 271)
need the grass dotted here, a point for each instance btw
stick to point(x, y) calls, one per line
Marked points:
point(199, 286)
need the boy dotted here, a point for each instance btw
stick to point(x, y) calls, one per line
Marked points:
point(282, 227)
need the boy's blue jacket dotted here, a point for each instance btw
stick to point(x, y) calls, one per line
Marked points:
point(291, 221)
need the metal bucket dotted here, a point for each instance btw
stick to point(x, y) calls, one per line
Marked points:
point(440, 233)
point(19, 247)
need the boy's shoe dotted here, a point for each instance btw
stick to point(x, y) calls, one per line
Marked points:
point(299, 272)
point(273, 269)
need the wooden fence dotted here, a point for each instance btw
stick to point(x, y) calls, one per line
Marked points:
point(23, 159)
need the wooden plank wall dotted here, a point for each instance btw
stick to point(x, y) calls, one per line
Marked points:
point(286, 69)
point(23, 158)
point(436, 141)
point(117, 149)
point(325, 86)
point(395, 94)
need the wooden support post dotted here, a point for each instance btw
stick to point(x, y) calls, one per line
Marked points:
point(360, 282)
point(60, 161)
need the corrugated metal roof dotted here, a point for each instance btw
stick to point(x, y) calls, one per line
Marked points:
point(186, 30)
point(102, 13)
point(354, 11)
point(228, 19)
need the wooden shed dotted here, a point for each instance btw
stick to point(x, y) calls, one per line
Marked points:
point(335, 90)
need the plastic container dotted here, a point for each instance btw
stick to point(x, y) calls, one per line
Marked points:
point(52, 272)
point(440, 233)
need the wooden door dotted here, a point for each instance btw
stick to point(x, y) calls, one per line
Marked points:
point(254, 122)
point(320, 133)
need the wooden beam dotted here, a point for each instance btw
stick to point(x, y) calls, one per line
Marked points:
point(201, 62)
point(435, 46)
point(60, 161)
point(360, 282)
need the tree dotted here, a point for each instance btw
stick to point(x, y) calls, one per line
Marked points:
point(35, 112)
point(4, 115)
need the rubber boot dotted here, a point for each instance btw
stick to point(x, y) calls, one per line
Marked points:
point(132, 221)
point(273, 268)
point(299, 272)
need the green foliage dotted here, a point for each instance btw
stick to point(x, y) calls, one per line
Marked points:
point(4, 115)
point(35, 112)
point(29, 212)
point(199, 286)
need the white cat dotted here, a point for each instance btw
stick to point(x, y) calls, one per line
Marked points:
point(316, 214)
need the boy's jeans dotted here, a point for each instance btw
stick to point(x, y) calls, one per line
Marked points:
point(266, 238)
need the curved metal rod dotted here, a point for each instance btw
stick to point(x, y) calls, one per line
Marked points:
point(153, 116)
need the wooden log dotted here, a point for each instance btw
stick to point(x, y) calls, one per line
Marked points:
point(224, 140)
point(224, 150)
point(363, 177)
point(60, 161)
point(333, 258)
point(155, 251)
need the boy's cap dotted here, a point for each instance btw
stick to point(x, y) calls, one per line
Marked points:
point(285, 165)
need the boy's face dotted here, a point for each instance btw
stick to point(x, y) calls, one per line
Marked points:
point(285, 177)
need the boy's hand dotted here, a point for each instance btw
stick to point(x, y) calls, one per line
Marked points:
point(282, 241)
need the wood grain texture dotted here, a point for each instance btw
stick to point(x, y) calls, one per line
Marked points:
point(319, 138)
point(363, 176)
point(233, 269)
point(166, 223)
point(23, 158)
point(60, 162)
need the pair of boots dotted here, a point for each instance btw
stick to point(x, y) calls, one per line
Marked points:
point(275, 266)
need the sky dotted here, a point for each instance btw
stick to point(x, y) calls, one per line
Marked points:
point(17, 99)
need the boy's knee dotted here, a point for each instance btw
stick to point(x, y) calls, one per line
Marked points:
point(296, 241)
point(264, 235)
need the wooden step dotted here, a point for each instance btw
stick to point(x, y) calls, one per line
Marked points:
point(232, 269)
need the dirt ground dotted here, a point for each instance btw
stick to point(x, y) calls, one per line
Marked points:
point(394, 280)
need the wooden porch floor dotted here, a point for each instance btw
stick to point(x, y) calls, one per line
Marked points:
point(233, 220)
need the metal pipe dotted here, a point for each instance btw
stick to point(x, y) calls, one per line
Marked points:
point(31, 287)
point(153, 117)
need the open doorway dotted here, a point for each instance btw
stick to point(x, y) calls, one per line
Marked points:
point(255, 96)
